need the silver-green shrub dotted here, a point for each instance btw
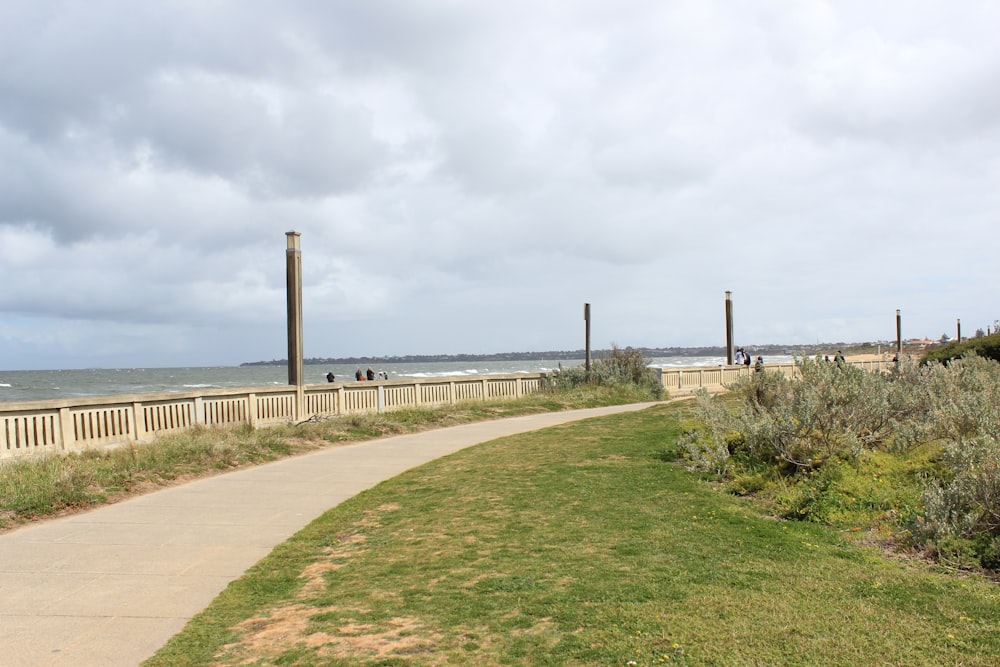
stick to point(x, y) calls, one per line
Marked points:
point(828, 412)
point(964, 502)
point(833, 413)
point(619, 368)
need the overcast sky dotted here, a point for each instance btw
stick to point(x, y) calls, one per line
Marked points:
point(466, 175)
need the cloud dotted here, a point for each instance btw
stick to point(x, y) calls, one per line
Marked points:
point(465, 177)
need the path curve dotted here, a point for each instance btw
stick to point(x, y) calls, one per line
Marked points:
point(112, 585)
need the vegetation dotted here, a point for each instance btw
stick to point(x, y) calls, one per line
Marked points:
point(620, 369)
point(33, 488)
point(575, 355)
point(584, 544)
point(983, 346)
point(914, 455)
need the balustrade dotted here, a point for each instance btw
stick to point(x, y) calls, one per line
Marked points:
point(65, 425)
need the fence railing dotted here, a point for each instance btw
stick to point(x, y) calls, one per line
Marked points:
point(717, 378)
point(62, 425)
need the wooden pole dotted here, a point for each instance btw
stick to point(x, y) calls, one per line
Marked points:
point(899, 337)
point(730, 346)
point(293, 282)
point(586, 319)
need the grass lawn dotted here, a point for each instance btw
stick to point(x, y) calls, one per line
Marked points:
point(585, 544)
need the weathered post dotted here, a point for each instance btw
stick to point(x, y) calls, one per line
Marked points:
point(960, 330)
point(586, 319)
point(293, 282)
point(730, 348)
point(899, 338)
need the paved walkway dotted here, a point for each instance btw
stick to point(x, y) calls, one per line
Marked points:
point(112, 585)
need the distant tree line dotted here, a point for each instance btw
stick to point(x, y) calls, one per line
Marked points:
point(567, 355)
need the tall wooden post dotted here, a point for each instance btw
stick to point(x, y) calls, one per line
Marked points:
point(899, 337)
point(586, 319)
point(730, 345)
point(960, 330)
point(293, 283)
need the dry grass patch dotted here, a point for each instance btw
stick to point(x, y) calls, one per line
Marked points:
point(267, 639)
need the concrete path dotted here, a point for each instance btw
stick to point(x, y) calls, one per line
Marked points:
point(112, 585)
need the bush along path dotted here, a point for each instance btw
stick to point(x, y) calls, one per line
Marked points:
point(913, 455)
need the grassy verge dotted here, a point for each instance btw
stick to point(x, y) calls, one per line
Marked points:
point(40, 487)
point(584, 544)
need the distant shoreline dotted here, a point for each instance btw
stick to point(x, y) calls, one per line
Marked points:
point(568, 355)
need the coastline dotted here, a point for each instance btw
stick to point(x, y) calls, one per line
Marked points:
point(18, 386)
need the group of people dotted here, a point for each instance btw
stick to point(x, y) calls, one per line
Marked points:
point(359, 376)
point(369, 375)
point(839, 358)
point(744, 358)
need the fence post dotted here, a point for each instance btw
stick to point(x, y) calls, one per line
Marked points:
point(66, 429)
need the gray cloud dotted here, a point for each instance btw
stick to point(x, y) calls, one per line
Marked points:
point(464, 177)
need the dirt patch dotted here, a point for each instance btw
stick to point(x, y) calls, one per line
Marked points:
point(292, 626)
point(302, 624)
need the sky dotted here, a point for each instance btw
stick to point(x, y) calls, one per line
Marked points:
point(465, 175)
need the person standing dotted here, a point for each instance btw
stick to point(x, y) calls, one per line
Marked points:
point(358, 376)
point(371, 374)
point(759, 366)
point(330, 377)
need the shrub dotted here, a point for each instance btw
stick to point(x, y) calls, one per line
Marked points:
point(805, 431)
point(620, 368)
point(830, 413)
point(987, 346)
point(963, 398)
point(961, 511)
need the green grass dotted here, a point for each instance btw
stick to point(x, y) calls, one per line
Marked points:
point(584, 544)
point(39, 487)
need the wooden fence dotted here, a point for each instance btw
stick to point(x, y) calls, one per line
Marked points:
point(717, 378)
point(62, 425)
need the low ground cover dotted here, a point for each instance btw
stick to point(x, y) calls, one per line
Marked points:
point(585, 544)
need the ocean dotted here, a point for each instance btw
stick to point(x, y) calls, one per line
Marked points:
point(55, 384)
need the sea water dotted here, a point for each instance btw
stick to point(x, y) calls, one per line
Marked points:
point(68, 384)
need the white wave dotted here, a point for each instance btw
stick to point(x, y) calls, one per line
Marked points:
point(465, 373)
point(4, 385)
point(198, 386)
